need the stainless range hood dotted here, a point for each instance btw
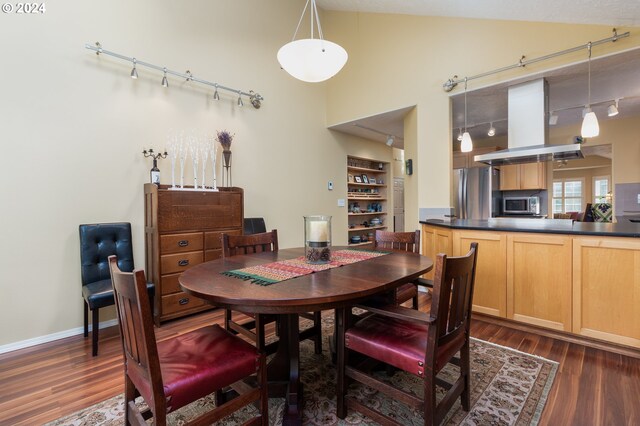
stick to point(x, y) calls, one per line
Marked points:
point(529, 130)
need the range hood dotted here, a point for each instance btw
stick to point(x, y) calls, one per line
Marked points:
point(529, 129)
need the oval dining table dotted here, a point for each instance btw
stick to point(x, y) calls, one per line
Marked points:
point(329, 289)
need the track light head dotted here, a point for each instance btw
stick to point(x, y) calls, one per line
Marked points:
point(134, 71)
point(492, 130)
point(460, 135)
point(189, 75)
point(553, 119)
point(216, 95)
point(390, 140)
point(165, 82)
point(240, 103)
point(613, 109)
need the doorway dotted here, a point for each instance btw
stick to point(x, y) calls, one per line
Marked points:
point(398, 204)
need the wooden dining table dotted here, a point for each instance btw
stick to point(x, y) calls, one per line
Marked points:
point(333, 288)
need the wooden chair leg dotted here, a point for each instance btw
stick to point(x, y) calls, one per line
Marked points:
point(86, 318)
point(227, 320)
point(129, 395)
point(95, 325)
point(465, 398)
point(415, 302)
point(264, 395)
point(341, 386)
point(260, 333)
point(317, 327)
point(429, 398)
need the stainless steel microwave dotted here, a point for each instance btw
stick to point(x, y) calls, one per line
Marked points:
point(521, 205)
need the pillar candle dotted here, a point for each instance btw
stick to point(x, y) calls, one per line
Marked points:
point(318, 231)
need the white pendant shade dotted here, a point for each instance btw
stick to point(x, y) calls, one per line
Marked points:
point(467, 144)
point(590, 127)
point(312, 60)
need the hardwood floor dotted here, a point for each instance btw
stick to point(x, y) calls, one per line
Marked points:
point(43, 383)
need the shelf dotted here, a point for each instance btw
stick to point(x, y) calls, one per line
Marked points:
point(362, 228)
point(379, 185)
point(360, 244)
point(366, 199)
point(363, 169)
point(366, 214)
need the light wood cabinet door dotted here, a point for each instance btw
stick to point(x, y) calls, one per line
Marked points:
point(606, 289)
point(533, 176)
point(490, 288)
point(435, 240)
point(539, 280)
point(509, 177)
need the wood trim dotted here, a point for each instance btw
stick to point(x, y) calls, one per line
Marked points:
point(564, 336)
point(485, 310)
point(539, 322)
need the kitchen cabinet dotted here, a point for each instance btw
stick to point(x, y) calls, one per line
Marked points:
point(435, 240)
point(490, 288)
point(523, 176)
point(464, 160)
point(606, 289)
point(539, 280)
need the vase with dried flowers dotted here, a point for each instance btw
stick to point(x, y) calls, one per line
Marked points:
point(225, 138)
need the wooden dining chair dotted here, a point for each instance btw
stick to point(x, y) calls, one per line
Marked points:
point(401, 241)
point(175, 372)
point(417, 342)
point(254, 329)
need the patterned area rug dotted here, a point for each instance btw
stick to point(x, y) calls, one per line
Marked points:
point(508, 388)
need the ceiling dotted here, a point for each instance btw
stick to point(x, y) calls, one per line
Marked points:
point(612, 77)
point(605, 12)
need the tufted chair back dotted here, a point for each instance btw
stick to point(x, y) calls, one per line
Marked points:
point(98, 242)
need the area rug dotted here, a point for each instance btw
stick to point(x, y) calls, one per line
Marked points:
point(508, 388)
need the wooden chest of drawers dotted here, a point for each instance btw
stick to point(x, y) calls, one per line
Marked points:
point(183, 229)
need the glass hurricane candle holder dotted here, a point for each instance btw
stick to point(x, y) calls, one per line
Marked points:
point(317, 239)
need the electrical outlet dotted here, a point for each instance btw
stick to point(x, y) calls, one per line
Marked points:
point(340, 202)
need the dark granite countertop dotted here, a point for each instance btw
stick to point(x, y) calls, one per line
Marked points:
point(623, 229)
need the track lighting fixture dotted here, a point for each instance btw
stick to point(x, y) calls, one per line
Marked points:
point(134, 71)
point(165, 82)
point(255, 98)
point(460, 134)
point(390, 140)
point(613, 109)
point(553, 119)
point(492, 130)
point(467, 144)
point(590, 127)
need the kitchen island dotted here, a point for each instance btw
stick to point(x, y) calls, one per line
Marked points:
point(580, 279)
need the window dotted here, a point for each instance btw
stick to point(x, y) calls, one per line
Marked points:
point(601, 189)
point(567, 195)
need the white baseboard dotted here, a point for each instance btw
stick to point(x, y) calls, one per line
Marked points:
point(51, 337)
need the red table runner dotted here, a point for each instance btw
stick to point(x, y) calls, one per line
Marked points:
point(275, 272)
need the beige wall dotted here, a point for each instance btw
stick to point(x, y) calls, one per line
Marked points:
point(74, 125)
point(399, 60)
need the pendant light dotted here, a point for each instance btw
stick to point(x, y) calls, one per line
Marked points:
point(312, 59)
point(467, 144)
point(460, 134)
point(590, 127)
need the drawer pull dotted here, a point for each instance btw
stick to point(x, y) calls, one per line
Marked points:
point(183, 301)
point(183, 262)
point(183, 243)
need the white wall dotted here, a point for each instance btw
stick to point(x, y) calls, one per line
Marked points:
point(73, 127)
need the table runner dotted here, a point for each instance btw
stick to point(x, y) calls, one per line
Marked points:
point(275, 272)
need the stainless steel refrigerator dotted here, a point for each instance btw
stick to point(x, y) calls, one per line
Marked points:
point(477, 193)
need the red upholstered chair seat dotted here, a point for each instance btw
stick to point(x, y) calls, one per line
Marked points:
point(397, 342)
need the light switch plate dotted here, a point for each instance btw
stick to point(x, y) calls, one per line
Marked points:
point(340, 202)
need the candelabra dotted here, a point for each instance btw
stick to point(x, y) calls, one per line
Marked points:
point(155, 172)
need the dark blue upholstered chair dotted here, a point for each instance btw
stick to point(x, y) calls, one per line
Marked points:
point(98, 242)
